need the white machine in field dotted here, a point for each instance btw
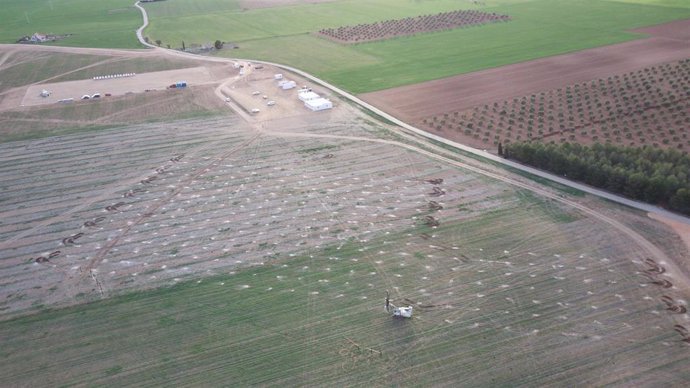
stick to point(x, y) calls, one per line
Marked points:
point(398, 312)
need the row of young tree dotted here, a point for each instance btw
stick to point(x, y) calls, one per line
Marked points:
point(648, 174)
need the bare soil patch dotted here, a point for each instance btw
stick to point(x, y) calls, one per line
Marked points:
point(683, 231)
point(139, 83)
point(414, 102)
point(410, 26)
point(162, 105)
point(647, 107)
point(677, 30)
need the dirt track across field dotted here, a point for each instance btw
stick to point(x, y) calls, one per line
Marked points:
point(669, 42)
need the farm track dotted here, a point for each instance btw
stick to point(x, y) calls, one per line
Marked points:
point(504, 272)
point(45, 220)
point(287, 175)
point(650, 248)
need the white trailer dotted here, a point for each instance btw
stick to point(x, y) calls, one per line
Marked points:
point(318, 104)
point(286, 85)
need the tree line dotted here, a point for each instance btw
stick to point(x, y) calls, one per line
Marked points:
point(652, 175)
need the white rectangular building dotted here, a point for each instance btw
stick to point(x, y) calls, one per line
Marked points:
point(307, 95)
point(317, 104)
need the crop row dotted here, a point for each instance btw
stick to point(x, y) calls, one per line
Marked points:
point(410, 26)
point(650, 106)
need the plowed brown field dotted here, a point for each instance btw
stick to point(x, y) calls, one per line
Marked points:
point(669, 42)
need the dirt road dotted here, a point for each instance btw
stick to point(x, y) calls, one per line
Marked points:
point(417, 141)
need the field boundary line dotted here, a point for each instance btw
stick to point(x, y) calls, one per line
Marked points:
point(639, 239)
point(476, 152)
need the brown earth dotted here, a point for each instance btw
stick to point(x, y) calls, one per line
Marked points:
point(141, 98)
point(138, 83)
point(683, 231)
point(669, 42)
point(645, 107)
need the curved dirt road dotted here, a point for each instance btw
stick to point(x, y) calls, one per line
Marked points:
point(431, 150)
point(437, 153)
point(483, 154)
point(643, 243)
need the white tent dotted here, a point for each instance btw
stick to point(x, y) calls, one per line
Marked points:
point(318, 104)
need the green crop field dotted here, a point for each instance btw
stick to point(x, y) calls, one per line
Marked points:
point(100, 23)
point(539, 28)
point(26, 67)
point(318, 318)
point(511, 288)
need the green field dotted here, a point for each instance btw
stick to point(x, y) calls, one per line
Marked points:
point(292, 253)
point(100, 23)
point(511, 288)
point(294, 322)
point(26, 67)
point(539, 28)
